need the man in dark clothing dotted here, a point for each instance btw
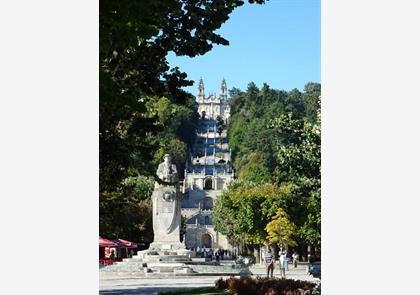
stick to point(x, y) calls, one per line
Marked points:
point(269, 263)
point(217, 254)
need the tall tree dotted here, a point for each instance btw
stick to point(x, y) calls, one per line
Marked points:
point(245, 208)
point(281, 230)
point(143, 110)
point(275, 138)
point(312, 100)
point(299, 163)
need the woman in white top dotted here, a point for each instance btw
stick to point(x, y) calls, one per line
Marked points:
point(282, 264)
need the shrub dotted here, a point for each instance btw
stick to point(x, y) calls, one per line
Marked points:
point(266, 286)
point(221, 284)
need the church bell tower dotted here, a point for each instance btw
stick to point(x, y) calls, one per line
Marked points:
point(223, 90)
point(200, 95)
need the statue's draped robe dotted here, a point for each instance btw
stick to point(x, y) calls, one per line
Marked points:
point(166, 206)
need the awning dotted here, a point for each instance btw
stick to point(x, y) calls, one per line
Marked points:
point(124, 243)
point(106, 243)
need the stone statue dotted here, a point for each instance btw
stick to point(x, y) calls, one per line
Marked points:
point(166, 170)
point(166, 199)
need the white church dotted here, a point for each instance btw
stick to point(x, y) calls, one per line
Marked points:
point(207, 173)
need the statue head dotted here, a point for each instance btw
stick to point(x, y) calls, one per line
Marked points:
point(167, 159)
point(166, 170)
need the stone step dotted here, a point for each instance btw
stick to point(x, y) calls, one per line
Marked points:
point(125, 268)
point(214, 263)
point(174, 269)
point(174, 260)
point(135, 257)
point(200, 259)
point(165, 265)
point(132, 262)
point(162, 269)
point(215, 269)
point(168, 256)
point(163, 259)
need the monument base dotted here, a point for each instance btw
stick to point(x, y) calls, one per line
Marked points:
point(167, 246)
point(157, 262)
point(174, 253)
point(171, 266)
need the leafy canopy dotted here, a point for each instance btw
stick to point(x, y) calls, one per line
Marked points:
point(275, 138)
point(143, 111)
point(281, 230)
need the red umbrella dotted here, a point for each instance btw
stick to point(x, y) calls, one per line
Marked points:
point(106, 243)
point(124, 243)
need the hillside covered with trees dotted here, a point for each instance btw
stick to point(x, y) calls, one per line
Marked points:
point(276, 148)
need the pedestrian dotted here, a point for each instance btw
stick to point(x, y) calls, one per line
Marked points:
point(112, 255)
point(286, 261)
point(217, 255)
point(282, 264)
point(295, 258)
point(269, 263)
point(310, 258)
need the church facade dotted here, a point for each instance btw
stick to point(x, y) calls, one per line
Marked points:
point(212, 106)
point(208, 171)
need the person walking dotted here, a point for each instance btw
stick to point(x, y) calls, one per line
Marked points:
point(295, 259)
point(282, 264)
point(217, 255)
point(269, 263)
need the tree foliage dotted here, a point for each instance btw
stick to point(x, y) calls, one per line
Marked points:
point(126, 212)
point(275, 140)
point(281, 230)
point(299, 162)
point(143, 111)
point(244, 209)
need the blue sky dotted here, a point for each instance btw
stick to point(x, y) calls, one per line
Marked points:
point(277, 43)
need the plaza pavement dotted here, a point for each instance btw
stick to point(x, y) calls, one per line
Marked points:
point(114, 284)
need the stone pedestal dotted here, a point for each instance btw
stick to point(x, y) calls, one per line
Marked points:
point(166, 218)
point(167, 246)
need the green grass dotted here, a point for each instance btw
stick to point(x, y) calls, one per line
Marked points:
point(195, 291)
